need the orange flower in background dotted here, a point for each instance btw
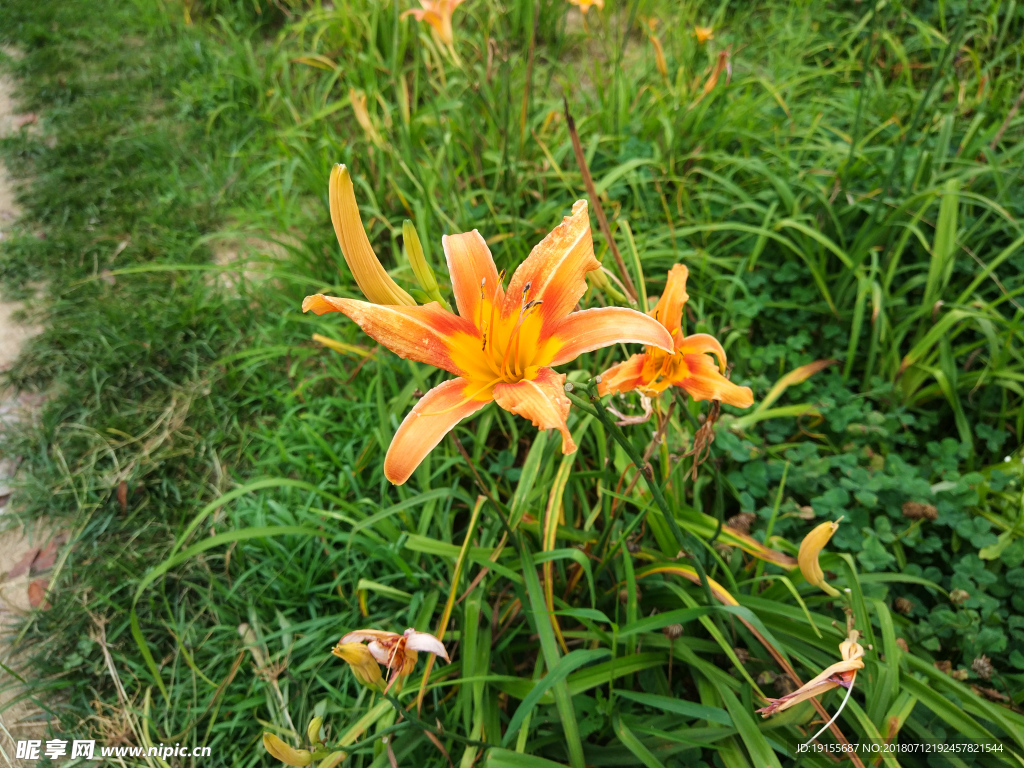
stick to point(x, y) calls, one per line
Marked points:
point(502, 342)
point(584, 5)
point(703, 34)
point(841, 674)
point(438, 14)
point(687, 367)
point(397, 652)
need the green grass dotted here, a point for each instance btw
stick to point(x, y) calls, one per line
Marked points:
point(845, 181)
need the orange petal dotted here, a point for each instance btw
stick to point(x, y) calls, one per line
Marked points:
point(842, 673)
point(595, 328)
point(803, 693)
point(624, 377)
point(473, 272)
point(422, 334)
point(669, 309)
point(434, 416)
point(555, 269)
point(700, 378)
point(542, 400)
point(699, 343)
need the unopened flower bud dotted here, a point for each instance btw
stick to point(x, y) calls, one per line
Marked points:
point(313, 730)
point(420, 266)
point(371, 277)
point(959, 596)
point(807, 557)
point(361, 662)
point(286, 754)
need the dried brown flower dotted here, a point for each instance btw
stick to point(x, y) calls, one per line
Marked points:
point(915, 510)
point(982, 667)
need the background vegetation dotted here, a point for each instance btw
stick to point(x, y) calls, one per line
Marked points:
point(847, 189)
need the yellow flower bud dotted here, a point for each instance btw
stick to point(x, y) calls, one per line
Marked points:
point(807, 558)
point(659, 56)
point(420, 267)
point(371, 277)
point(313, 730)
point(358, 100)
point(703, 34)
point(361, 662)
point(284, 753)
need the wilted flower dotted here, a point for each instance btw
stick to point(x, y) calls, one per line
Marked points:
point(397, 652)
point(841, 674)
point(687, 367)
point(438, 14)
point(982, 667)
point(501, 343)
point(807, 557)
point(703, 34)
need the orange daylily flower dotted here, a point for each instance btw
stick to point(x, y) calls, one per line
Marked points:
point(703, 34)
point(397, 652)
point(688, 367)
point(438, 14)
point(584, 5)
point(502, 342)
point(842, 673)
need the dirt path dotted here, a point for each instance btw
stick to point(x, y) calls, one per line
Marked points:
point(20, 555)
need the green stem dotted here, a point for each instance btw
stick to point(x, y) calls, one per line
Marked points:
point(549, 646)
point(685, 540)
point(409, 715)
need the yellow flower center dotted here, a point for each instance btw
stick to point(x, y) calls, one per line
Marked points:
point(507, 348)
point(661, 369)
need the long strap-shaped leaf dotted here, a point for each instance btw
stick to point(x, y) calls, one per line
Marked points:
point(549, 647)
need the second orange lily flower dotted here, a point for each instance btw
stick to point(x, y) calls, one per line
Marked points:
point(438, 14)
point(687, 366)
point(502, 343)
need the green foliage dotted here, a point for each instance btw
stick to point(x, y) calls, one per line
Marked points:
point(850, 191)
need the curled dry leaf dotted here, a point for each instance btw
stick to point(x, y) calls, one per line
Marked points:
point(37, 594)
